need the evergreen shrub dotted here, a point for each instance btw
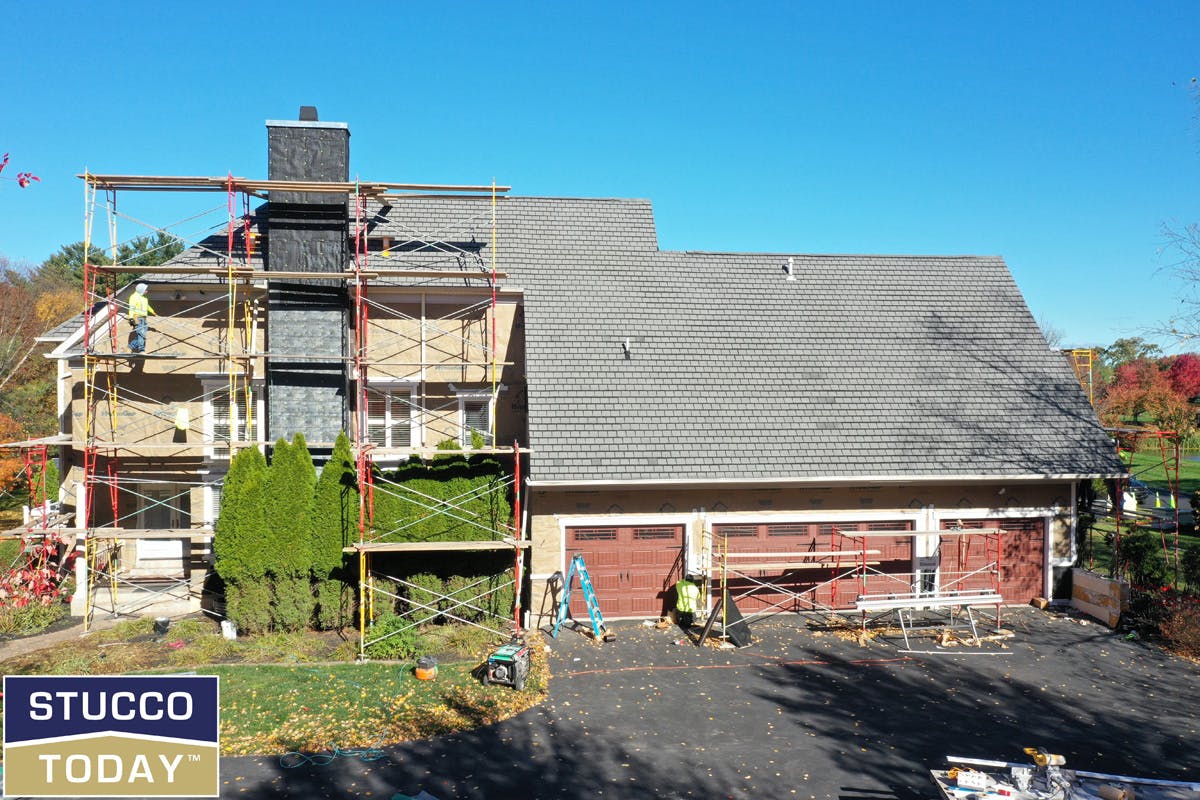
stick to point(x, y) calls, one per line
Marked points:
point(403, 643)
point(248, 605)
point(425, 590)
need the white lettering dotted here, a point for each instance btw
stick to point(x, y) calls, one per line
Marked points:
point(145, 709)
point(116, 712)
point(49, 759)
point(109, 768)
point(172, 712)
point(141, 769)
point(72, 777)
point(40, 702)
point(66, 706)
point(107, 776)
point(123, 706)
point(171, 765)
point(88, 713)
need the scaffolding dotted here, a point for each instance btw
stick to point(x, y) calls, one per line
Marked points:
point(121, 443)
point(1083, 362)
point(1129, 441)
point(951, 584)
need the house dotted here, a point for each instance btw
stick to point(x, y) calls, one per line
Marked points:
point(673, 411)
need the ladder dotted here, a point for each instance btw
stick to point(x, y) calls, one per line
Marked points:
point(589, 596)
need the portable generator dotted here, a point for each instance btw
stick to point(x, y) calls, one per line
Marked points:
point(509, 665)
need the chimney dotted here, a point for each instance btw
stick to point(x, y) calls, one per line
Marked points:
point(307, 319)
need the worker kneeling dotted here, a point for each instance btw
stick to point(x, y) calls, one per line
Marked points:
point(687, 598)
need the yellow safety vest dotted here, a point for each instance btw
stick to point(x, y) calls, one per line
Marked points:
point(687, 596)
point(139, 305)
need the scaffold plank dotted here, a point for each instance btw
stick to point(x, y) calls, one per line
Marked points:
point(222, 184)
point(418, 547)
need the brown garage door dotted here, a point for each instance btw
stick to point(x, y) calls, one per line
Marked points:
point(1022, 556)
point(895, 557)
point(633, 569)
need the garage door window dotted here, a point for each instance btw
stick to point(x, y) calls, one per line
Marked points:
point(595, 534)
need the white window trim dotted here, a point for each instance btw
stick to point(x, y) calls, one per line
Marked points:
point(236, 416)
point(464, 433)
point(416, 434)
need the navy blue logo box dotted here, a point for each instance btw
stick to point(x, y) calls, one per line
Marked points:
point(111, 736)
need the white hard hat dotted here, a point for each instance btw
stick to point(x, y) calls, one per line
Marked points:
point(141, 288)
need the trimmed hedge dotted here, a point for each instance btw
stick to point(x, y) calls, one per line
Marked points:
point(467, 487)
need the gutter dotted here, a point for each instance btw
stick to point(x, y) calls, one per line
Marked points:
point(841, 480)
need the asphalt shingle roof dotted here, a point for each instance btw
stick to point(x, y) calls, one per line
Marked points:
point(883, 366)
point(862, 366)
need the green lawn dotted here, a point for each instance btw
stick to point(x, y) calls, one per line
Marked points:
point(301, 702)
point(1097, 555)
point(276, 709)
point(1148, 467)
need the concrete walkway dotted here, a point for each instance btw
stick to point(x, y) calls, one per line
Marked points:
point(12, 648)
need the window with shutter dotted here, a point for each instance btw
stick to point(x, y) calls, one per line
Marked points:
point(377, 418)
point(389, 417)
point(476, 416)
point(400, 418)
point(225, 424)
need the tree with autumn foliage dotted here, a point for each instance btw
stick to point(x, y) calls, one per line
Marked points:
point(1148, 387)
point(1184, 375)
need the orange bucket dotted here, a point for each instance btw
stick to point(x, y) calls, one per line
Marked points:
point(426, 668)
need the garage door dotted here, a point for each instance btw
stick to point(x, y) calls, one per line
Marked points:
point(1022, 556)
point(633, 569)
point(818, 583)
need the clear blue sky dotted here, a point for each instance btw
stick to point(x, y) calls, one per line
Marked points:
point(1062, 136)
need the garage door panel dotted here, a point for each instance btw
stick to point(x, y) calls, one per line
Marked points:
point(810, 537)
point(631, 567)
point(1022, 556)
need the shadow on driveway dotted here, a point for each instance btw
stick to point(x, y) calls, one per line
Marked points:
point(797, 714)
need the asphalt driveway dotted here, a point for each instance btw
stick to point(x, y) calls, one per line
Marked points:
point(797, 714)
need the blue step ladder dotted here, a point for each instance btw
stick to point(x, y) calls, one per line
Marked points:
point(589, 596)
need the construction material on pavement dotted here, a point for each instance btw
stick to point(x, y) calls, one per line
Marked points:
point(589, 596)
point(1048, 779)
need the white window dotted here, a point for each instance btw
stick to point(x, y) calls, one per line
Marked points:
point(475, 416)
point(212, 491)
point(224, 420)
point(390, 416)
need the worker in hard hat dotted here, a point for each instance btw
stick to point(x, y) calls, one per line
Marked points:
point(139, 310)
point(687, 599)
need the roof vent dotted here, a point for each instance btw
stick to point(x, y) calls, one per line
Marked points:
point(308, 113)
point(790, 268)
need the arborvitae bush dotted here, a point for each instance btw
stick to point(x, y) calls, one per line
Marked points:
point(291, 481)
point(248, 605)
point(425, 590)
point(385, 598)
point(241, 526)
point(293, 602)
point(334, 524)
point(459, 589)
point(500, 602)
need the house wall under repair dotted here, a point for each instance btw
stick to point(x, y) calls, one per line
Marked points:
point(773, 419)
